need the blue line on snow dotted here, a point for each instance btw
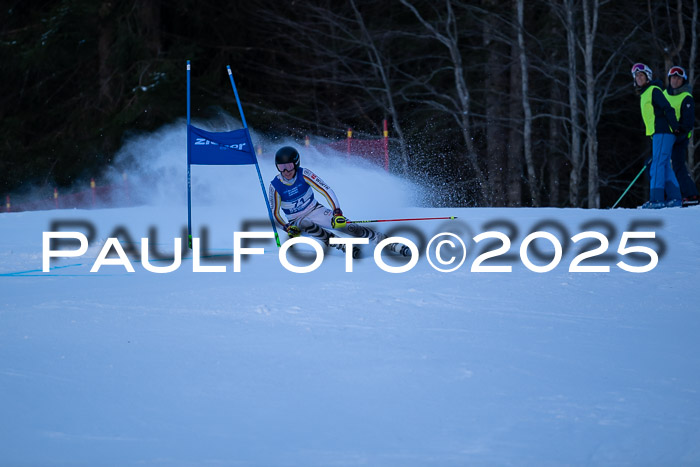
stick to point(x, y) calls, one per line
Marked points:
point(48, 274)
point(19, 273)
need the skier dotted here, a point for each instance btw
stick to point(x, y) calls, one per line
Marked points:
point(679, 96)
point(661, 124)
point(296, 210)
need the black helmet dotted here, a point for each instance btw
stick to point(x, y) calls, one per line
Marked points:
point(287, 154)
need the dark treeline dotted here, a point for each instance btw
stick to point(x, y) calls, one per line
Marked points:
point(500, 103)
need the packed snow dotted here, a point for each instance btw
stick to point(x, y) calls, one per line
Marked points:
point(270, 367)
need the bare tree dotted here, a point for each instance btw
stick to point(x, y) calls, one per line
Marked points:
point(590, 27)
point(377, 62)
point(575, 154)
point(496, 87)
point(667, 51)
point(527, 120)
point(345, 55)
point(600, 66)
point(515, 137)
point(461, 108)
point(553, 159)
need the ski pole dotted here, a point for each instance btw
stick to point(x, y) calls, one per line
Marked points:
point(630, 186)
point(399, 220)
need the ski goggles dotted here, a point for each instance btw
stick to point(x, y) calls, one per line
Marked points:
point(289, 167)
point(640, 68)
point(677, 71)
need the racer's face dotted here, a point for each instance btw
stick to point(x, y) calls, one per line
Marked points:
point(287, 170)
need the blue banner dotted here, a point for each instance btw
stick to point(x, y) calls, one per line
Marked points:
point(221, 148)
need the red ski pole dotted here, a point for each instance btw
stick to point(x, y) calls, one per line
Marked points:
point(400, 220)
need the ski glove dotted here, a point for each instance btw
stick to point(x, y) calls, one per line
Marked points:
point(339, 221)
point(292, 230)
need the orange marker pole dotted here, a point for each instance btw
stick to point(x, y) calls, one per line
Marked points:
point(386, 146)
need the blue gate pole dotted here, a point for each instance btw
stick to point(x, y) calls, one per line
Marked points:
point(189, 183)
point(255, 158)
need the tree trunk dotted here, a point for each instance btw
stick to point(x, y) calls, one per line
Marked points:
point(465, 106)
point(496, 86)
point(527, 111)
point(553, 158)
point(575, 145)
point(590, 21)
point(515, 139)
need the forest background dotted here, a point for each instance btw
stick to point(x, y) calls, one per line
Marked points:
point(489, 103)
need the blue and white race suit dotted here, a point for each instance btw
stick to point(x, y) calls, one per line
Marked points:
point(293, 200)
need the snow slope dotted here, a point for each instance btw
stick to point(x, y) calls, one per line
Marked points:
point(270, 367)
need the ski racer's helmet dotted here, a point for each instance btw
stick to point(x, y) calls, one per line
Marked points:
point(637, 67)
point(677, 71)
point(285, 155)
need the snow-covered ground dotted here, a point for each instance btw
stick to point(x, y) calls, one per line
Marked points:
point(271, 367)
